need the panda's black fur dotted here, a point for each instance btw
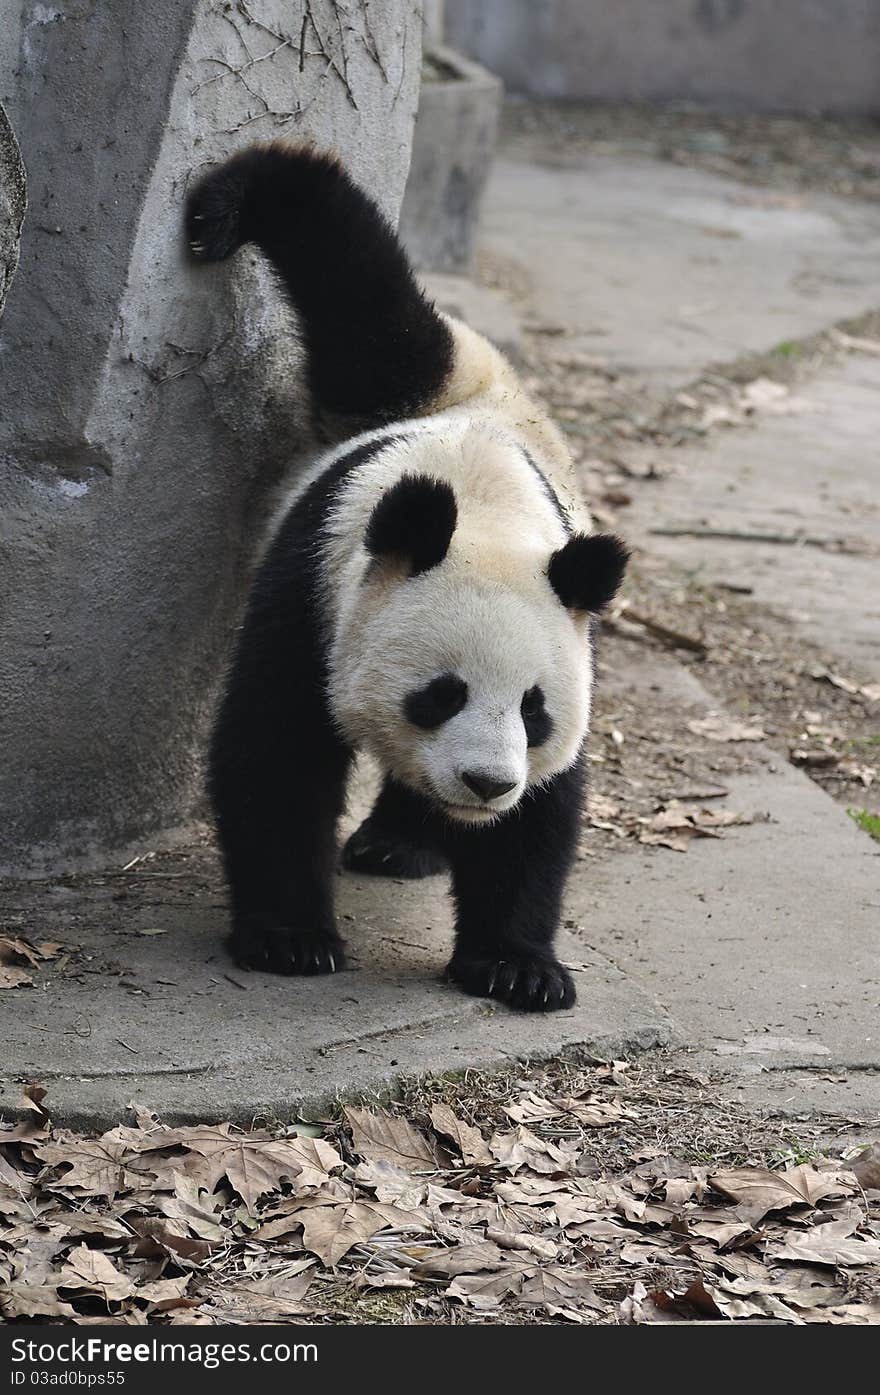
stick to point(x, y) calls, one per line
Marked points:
point(380, 360)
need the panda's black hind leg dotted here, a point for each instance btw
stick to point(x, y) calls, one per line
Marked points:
point(395, 840)
point(377, 852)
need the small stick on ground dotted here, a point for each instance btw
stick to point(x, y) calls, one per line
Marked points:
point(749, 535)
point(677, 638)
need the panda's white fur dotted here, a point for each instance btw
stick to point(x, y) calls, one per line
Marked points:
point(347, 624)
point(486, 613)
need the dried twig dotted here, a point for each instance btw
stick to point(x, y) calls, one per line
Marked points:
point(677, 638)
point(755, 535)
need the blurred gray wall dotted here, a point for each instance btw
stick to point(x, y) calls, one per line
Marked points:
point(147, 406)
point(731, 55)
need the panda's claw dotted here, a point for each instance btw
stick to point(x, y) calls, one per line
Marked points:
point(532, 983)
point(507, 982)
point(262, 942)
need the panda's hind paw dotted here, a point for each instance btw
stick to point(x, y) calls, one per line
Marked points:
point(261, 942)
point(376, 852)
point(528, 982)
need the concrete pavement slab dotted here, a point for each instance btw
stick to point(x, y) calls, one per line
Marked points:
point(663, 269)
point(149, 1007)
point(762, 945)
point(812, 470)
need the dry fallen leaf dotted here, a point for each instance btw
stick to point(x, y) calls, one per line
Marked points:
point(640, 1307)
point(194, 1207)
point(97, 1166)
point(481, 1257)
point(485, 1291)
point(718, 728)
point(263, 1300)
point(832, 1243)
point(157, 1236)
point(256, 1166)
point(145, 1224)
point(468, 1140)
point(94, 1272)
point(11, 976)
point(14, 950)
point(594, 1111)
point(531, 1109)
point(330, 1231)
point(524, 1149)
point(865, 1166)
point(545, 1286)
point(757, 1191)
point(378, 1136)
point(392, 1184)
point(523, 1242)
point(163, 1294)
point(32, 1301)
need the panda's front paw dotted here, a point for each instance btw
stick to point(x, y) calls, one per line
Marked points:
point(531, 983)
point(380, 853)
point(262, 942)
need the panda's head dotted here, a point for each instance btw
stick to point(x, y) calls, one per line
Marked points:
point(469, 683)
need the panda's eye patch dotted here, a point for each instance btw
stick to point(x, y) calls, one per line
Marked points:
point(431, 706)
point(536, 719)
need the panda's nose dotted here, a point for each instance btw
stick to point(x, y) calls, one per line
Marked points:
point(486, 786)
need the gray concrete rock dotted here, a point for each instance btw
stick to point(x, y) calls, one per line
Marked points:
point(149, 407)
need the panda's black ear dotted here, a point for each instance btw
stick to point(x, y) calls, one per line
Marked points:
point(586, 573)
point(413, 523)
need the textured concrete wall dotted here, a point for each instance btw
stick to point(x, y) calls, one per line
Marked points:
point(752, 55)
point(13, 202)
point(147, 408)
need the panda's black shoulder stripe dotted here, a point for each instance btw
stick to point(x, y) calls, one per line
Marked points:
point(549, 491)
point(291, 560)
point(311, 507)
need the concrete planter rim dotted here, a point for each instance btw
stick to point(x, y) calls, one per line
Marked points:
point(461, 69)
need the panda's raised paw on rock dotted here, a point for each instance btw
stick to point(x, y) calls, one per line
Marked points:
point(260, 942)
point(531, 983)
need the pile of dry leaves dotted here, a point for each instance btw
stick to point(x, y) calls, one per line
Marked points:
point(673, 825)
point(525, 1220)
point(18, 955)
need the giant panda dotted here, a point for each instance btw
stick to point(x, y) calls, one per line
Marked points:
point(427, 595)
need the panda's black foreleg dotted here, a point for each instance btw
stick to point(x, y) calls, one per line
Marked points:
point(398, 839)
point(508, 882)
point(276, 822)
point(277, 773)
point(280, 866)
